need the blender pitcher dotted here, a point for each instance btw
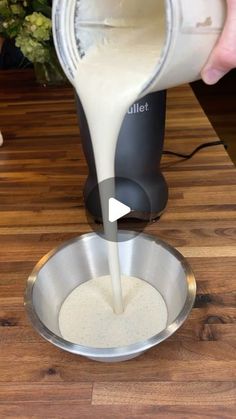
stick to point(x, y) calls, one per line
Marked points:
point(188, 35)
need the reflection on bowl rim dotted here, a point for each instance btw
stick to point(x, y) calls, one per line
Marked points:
point(117, 352)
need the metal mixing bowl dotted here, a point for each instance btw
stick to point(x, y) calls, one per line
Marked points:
point(84, 258)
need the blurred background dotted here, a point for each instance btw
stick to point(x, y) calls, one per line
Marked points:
point(219, 104)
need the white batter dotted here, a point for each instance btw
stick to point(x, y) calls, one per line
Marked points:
point(87, 317)
point(110, 78)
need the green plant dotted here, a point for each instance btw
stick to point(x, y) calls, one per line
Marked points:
point(28, 22)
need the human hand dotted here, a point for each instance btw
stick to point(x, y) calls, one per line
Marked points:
point(223, 56)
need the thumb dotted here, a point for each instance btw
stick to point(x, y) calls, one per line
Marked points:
point(223, 56)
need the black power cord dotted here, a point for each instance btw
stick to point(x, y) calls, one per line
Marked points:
point(200, 147)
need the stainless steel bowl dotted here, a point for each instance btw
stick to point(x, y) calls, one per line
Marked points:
point(84, 258)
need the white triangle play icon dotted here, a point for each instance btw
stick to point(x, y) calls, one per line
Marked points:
point(117, 210)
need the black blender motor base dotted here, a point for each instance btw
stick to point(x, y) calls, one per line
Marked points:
point(138, 156)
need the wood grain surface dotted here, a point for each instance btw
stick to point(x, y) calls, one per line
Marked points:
point(42, 172)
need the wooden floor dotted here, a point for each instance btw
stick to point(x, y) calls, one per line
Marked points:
point(42, 172)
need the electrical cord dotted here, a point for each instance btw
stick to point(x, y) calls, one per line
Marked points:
point(200, 147)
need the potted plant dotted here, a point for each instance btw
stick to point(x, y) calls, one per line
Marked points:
point(28, 23)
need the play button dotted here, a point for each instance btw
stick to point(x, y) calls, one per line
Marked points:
point(126, 208)
point(117, 210)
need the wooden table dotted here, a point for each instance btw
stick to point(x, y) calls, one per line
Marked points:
point(42, 172)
